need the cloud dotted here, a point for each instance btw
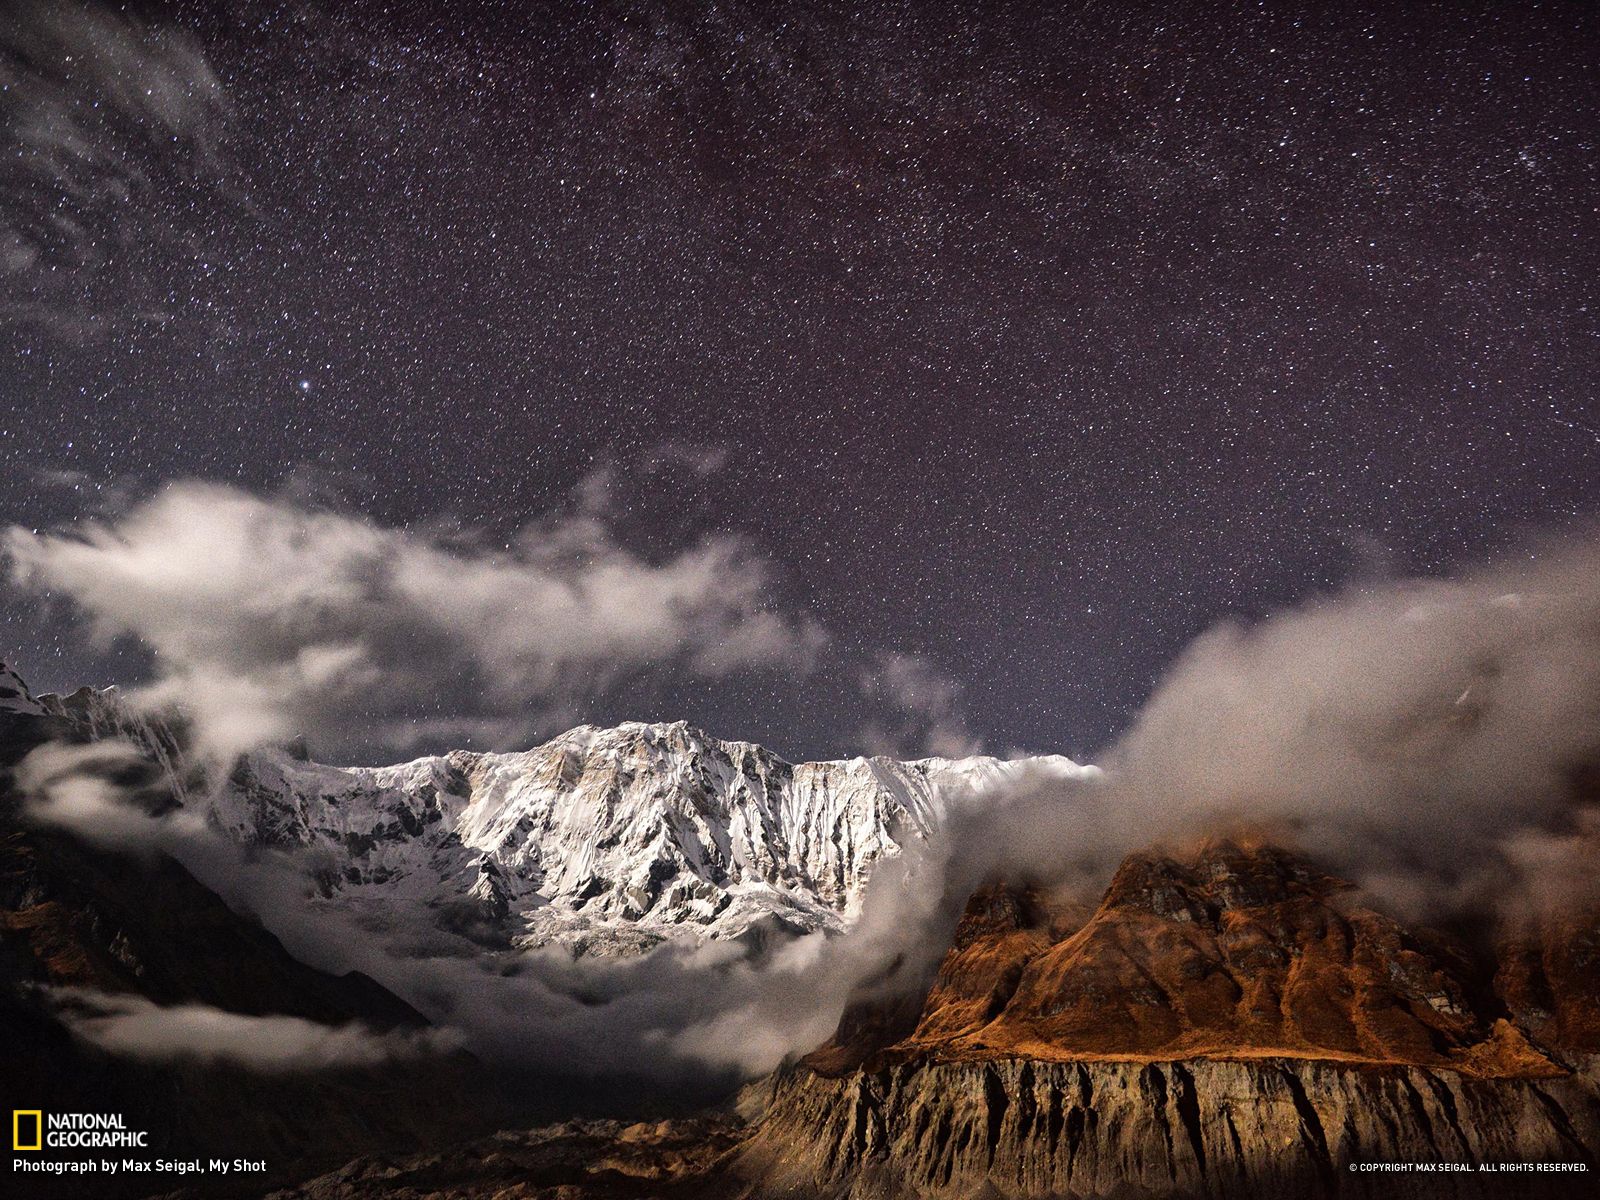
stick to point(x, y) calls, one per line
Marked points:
point(616, 482)
point(1410, 730)
point(268, 618)
point(272, 615)
point(916, 709)
point(1437, 742)
point(134, 1027)
point(113, 134)
point(106, 792)
point(1427, 739)
point(684, 1013)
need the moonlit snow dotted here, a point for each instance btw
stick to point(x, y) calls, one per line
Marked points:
point(606, 841)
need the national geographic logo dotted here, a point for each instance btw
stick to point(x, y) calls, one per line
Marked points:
point(27, 1129)
point(32, 1130)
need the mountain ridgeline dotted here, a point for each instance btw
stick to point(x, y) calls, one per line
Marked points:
point(1226, 1020)
point(605, 841)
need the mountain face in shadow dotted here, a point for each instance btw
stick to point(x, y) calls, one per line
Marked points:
point(85, 930)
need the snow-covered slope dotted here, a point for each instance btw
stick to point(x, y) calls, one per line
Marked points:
point(603, 840)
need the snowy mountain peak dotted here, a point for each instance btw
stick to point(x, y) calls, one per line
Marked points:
point(603, 839)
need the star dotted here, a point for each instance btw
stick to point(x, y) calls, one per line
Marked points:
point(1017, 342)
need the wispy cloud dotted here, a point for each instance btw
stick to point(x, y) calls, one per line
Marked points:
point(134, 1027)
point(269, 618)
point(916, 709)
point(113, 132)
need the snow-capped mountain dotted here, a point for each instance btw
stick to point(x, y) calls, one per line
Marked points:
point(602, 840)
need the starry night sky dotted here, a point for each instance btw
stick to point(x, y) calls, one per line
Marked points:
point(1029, 339)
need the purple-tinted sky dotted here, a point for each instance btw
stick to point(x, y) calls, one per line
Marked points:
point(1027, 339)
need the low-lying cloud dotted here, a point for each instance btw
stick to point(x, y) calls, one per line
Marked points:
point(100, 792)
point(134, 1027)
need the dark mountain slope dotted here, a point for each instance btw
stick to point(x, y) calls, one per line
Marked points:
point(140, 925)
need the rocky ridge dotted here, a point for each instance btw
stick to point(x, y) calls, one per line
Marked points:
point(1232, 1022)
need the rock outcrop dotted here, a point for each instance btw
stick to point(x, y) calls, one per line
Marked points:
point(14, 694)
point(1231, 1022)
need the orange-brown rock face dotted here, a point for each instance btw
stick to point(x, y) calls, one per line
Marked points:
point(1225, 953)
point(1550, 979)
point(1227, 1023)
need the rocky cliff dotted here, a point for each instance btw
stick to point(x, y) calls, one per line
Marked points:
point(1232, 1022)
point(1225, 1128)
point(1018, 1128)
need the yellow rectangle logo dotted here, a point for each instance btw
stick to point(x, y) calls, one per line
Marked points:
point(22, 1120)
